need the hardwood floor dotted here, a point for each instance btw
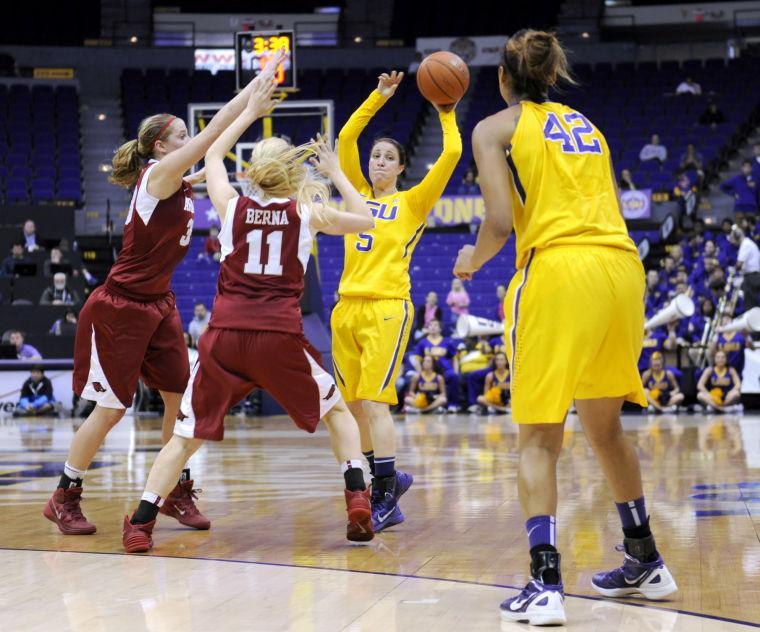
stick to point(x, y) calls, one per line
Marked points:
point(276, 557)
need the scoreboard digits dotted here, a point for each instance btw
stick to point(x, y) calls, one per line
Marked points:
point(254, 49)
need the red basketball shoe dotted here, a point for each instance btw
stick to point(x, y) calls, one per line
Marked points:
point(63, 509)
point(180, 504)
point(137, 538)
point(359, 527)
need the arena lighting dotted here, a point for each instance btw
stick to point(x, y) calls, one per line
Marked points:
point(101, 117)
point(585, 35)
point(133, 39)
point(358, 39)
point(327, 10)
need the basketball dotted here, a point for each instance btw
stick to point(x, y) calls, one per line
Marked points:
point(443, 78)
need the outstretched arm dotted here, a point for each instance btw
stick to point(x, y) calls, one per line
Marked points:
point(490, 140)
point(166, 176)
point(348, 149)
point(219, 188)
point(358, 217)
point(423, 197)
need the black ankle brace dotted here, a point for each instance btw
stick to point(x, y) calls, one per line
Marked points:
point(545, 566)
point(642, 549)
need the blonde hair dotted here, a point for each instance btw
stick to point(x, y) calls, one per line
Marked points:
point(536, 61)
point(278, 170)
point(129, 159)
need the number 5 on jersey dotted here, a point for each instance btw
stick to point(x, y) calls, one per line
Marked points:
point(273, 265)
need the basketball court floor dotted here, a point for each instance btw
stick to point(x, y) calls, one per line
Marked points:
point(276, 557)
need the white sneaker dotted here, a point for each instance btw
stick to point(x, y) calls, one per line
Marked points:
point(537, 604)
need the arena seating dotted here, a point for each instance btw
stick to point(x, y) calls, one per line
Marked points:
point(39, 143)
point(630, 103)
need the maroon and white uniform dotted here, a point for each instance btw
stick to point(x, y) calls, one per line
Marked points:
point(130, 326)
point(255, 336)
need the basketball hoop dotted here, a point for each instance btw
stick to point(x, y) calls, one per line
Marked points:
point(245, 184)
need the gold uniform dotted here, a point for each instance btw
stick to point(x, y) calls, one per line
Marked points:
point(574, 309)
point(373, 318)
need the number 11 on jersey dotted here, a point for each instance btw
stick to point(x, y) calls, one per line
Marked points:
point(273, 265)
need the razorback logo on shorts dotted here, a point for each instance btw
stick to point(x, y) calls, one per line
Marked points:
point(181, 416)
point(329, 393)
point(98, 387)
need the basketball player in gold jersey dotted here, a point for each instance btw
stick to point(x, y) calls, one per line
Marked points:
point(373, 317)
point(574, 313)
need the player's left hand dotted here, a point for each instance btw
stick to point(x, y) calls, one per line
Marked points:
point(464, 268)
point(325, 158)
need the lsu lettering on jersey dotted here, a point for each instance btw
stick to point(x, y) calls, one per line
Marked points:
point(376, 263)
point(562, 189)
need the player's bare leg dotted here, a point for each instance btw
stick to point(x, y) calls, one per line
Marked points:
point(643, 571)
point(345, 442)
point(137, 533)
point(540, 446)
point(63, 508)
point(180, 502)
point(172, 402)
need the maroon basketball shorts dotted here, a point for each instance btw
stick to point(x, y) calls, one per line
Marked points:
point(232, 362)
point(119, 340)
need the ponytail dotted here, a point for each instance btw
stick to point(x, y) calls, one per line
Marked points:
point(129, 159)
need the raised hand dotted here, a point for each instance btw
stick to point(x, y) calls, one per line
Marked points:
point(325, 159)
point(387, 83)
point(260, 101)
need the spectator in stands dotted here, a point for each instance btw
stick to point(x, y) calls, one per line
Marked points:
point(626, 181)
point(427, 312)
point(469, 186)
point(654, 294)
point(17, 256)
point(743, 188)
point(56, 263)
point(427, 390)
point(23, 351)
point(59, 293)
point(495, 397)
point(748, 264)
point(686, 195)
point(695, 326)
point(501, 293)
point(458, 300)
point(36, 395)
point(691, 159)
point(679, 259)
point(444, 350)
point(732, 343)
point(689, 87)
point(712, 116)
point(668, 272)
point(212, 247)
point(719, 385)
point(722, 240)
point(656, 340)
point(660, 386)
point(30, 238)
point(66, 326)
point(653, 150)
point(198, 325)
point(756, 162)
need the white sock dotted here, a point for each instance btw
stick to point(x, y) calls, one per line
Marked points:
point(72, 472)
point(352, 464)
point(153, 499)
